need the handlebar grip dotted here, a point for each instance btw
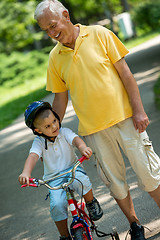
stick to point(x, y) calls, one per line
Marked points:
point(82, 159)
point(31, 185)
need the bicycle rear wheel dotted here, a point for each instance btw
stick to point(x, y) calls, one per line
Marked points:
point(80, 234)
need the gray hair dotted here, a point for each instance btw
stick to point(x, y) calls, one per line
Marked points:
point(53, 5)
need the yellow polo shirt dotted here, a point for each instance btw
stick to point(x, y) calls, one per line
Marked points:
point(97, 93)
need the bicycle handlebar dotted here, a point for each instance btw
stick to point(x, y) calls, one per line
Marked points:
point(38, 182)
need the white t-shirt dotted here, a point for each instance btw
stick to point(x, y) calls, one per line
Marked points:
point(59, 156)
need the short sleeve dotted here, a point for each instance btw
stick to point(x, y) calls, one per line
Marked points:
point(37, 147)
point(54, 82)
point(69, 135)
point(115, 48)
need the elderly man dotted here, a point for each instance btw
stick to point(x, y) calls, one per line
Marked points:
point(89, 62)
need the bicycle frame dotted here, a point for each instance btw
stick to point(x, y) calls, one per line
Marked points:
point(80, 218)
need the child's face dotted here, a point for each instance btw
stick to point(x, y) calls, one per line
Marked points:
point(48, 126)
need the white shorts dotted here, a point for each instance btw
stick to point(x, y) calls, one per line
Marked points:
point(110, 163)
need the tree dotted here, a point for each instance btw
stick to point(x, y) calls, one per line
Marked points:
point(17, 29)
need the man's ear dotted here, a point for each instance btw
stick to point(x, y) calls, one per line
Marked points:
point(65, 14)
point(37, 130)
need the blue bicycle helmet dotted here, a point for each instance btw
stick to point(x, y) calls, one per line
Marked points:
point(32, 110)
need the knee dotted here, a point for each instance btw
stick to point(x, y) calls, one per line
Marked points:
point(58, 209)
point(155, 194)
point(58, 203)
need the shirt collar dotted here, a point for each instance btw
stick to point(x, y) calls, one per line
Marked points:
point(49, 142)
point(82, 33)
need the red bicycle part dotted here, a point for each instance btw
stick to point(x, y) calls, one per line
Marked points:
point(82, 159)
point(31, 184)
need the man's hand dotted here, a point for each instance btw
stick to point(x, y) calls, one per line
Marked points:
point(140, 121)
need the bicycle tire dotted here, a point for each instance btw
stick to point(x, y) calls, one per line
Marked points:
point(80, 234)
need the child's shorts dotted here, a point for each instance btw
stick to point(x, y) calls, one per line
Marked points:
point(110, 164)
point(58, 198)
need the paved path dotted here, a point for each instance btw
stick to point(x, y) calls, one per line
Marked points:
point(24, 214)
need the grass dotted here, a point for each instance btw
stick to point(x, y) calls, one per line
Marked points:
point(18, 99)
point(139, 40)
point(157, 93)
point(23, 79)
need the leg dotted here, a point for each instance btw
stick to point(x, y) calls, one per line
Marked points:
point(127, 208)
point(136, 230)
point(62, 228)
point(156, 195)
point(58, 208)
point(144, 161)
point(88, 197)
point(111, 168)
point(93, 206)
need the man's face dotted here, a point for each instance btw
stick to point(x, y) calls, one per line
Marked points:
point(56, 27)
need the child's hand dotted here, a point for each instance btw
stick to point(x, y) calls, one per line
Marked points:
point(24, 179)
point(80, 144)
point(86, 151)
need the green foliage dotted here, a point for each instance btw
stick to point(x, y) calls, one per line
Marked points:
point(141, 38)
point(90, 11)
point(20, 32)
point(21, 67)
point(146, 15)
point(157, 92)
point(17, 29)
point(12, 109)
point(23, 79)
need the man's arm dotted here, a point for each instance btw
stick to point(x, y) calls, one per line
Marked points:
point(140, 119)
point(60, 103)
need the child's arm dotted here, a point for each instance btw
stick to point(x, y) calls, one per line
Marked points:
point(82, 147)
point(28, 167)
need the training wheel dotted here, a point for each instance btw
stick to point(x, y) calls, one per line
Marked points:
point(115, 233)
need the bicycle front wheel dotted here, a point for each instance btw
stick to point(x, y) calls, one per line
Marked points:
point(80, 234)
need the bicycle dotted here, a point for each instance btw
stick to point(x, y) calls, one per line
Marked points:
point(81, 227)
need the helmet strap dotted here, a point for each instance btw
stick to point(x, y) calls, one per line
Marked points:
point(45, 137)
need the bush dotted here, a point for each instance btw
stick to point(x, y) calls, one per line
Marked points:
point(146, 15)
point(22, 81)
point(19, 67)
point(157, 92)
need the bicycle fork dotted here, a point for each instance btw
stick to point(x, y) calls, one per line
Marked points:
point(78, 221)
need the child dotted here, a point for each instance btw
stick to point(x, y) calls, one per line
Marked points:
point(54, 145)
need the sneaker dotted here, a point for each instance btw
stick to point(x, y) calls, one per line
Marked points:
point(65, 238)
point(137, 232)
point(94, 209)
